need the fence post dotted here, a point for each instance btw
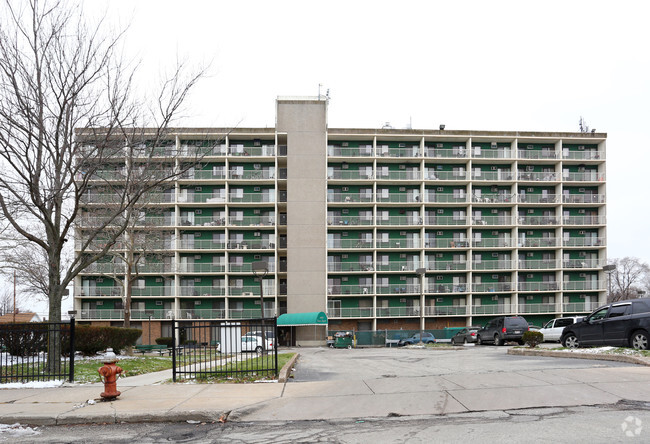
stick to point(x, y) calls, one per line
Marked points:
point(72, 348)
point(275, 343)
point(173, 349)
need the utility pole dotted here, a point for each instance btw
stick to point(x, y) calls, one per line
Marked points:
point(14, 296)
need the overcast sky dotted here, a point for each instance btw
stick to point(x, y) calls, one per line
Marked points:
point(472, 65)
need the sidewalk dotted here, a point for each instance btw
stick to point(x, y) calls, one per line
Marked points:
point(143, 399)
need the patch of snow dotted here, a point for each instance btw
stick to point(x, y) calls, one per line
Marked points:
point(32, 384)
point(265, 380)
point(17, 430)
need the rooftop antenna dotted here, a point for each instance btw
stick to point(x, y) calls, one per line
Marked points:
point(584, 128)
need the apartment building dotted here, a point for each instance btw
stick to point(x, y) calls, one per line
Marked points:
point(379, 228)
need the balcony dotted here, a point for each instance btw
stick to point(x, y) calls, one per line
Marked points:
point(397, 312)
point(350, 198)
point(341, 290)
point(458, 152)
point(399, 175)
point(580, 307)
point(202, 244)
point(213, 174)
point(114, 291)
point(548, 176)
point(445, 198)
point(493, 220)
point(201, 268)
point(538, 286)
point(235, 197)
point(385, 151)
point(584, 263)
point(350, 243)
point(159, 291)
point(492, 265)
point(202, 221)
point(399, 220)
point(446, 175)
point(537, 308)
point(584, 285)
point(538, 220)
point(446, 243)
point(261, 244)
point(584, 220)
point(534, 242)
point(250, 313)
point(587, 176)
point(251, 290)
point(491, 287)
point(583, 198)
point(583, 155)
point(361, 312)
point(537, 154)
point(216, 197)
point(445, 220)
point(492, 309)
point(403, 197)
point(201, 313)
point(446, 288)
point(212, 150)
point(399, 243)
point(202, 290)
point(445, 310)
point(344, 151)
point(486, 242)
point(539, 264)
point(584, 242)
point(251, 221)
point(538, 198)
point(446, 265)
point(337, 174)
point(499, 153)
point(234, 267)
point(492, 175)
point(264, 174)
point(348, 220)
point(397, 266)
point(493, 198)
point(348, 266)
point(399, 289)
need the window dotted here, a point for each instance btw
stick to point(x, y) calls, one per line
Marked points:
point(619, 310)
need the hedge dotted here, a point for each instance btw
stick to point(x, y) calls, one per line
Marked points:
point(91, 339)
point(165, 341)
point(533, 338)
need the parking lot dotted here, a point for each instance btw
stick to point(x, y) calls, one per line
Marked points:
point(324, 364)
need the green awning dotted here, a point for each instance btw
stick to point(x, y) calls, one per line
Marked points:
point(294, 319)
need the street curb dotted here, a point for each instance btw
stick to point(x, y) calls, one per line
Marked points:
point(579, 355)
point(286, 370)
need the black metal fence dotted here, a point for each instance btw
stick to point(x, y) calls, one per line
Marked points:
point(40, 351)
point(220, 349)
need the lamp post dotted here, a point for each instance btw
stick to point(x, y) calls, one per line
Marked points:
point(421, 272)
point(149, 329)
point(609, 269)
point(260, 270)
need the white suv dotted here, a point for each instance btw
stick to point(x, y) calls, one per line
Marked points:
point(553, 329)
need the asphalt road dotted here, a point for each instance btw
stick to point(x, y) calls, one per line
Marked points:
point(596, 424)
point(323, 364)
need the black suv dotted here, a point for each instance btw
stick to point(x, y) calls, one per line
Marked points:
point(503, 329)
point(623, 323)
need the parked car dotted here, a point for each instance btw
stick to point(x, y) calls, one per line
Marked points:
point(427, 338)
point(254, 343)
point(466, 335)
point(623, 323)
point(553, 329)
point(503, 329)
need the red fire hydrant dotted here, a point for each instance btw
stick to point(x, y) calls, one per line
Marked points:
point(109, 373)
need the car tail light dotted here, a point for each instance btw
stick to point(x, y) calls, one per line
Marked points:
point(473, 334)
point(503, 330)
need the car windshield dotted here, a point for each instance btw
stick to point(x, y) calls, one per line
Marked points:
point(549, 324)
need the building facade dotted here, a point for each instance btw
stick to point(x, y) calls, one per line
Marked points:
point(379, 228)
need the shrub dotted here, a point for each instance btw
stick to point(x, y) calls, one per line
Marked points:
point(32, 338)
point(533, 338)
point(91, 339)
point(165, 341)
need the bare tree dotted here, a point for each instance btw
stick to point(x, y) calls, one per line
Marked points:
point(7, 302)
point(628, 279)
point(67, 108)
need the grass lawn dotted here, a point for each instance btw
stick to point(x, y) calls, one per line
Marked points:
point(250, 375)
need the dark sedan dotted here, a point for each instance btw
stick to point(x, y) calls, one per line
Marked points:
point(427, 338)
point(623, 323)
point(466, 335)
